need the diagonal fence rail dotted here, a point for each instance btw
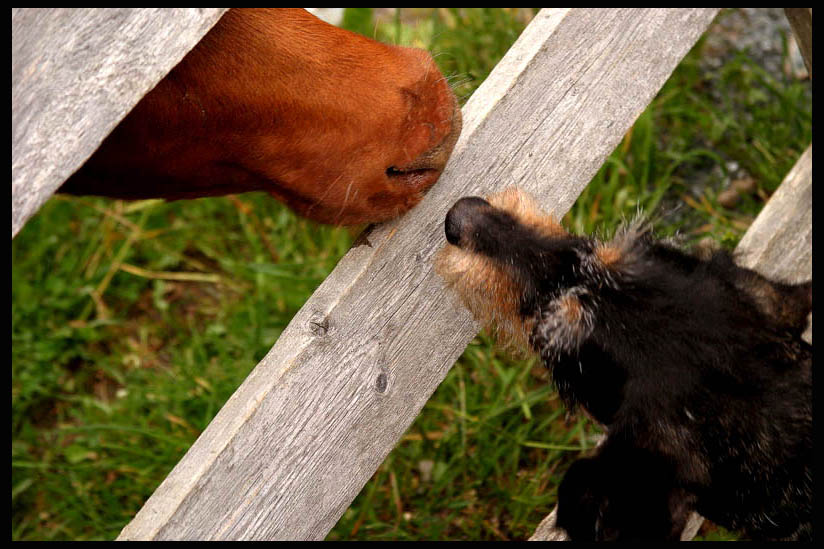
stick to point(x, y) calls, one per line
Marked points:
point(75, 73)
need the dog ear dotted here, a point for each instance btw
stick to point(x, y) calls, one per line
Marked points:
point(788, 305)
point(785, 305)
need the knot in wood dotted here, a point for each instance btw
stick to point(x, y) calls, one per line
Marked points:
point(319, 325)
point(381, 383)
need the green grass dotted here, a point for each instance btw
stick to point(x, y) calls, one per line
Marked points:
point(109, 392)
point(117, 366)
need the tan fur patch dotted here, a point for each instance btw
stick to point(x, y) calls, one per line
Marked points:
point(608, 255)
point(621, 253)
point(488, 292)
point(484, 286)
point(571, 309)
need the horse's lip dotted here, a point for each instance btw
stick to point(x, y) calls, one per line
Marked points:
point(420, 179)
point(394, 172)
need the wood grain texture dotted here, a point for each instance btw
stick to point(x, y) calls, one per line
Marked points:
point(75, 73)
point(305, 431)
point(779, 243)
point(801, 21)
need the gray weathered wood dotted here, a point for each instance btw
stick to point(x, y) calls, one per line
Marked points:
point(75, 73)
point(801, 21)
point(779, 243)
point(305, 431)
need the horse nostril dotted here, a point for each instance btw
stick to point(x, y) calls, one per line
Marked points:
point(430, 127)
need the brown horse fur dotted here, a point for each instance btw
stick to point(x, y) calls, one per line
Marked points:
point(341, 128)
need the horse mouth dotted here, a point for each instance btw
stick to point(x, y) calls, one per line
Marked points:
point(414, 177)
point(426, 168)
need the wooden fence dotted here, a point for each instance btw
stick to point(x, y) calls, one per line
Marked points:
point(306, 430)
point(75, 73)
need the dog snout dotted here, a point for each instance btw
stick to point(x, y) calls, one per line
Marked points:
point(461, 218)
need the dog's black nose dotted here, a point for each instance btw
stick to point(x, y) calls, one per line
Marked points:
point(460, 217)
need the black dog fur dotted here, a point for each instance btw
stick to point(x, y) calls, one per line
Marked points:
point(694, 365)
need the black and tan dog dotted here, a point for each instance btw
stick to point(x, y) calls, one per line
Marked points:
point(695, 366)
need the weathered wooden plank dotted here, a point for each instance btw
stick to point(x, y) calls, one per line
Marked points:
point(801, 21)
point(779, 244)
point(309, 426)
point(75, 73)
